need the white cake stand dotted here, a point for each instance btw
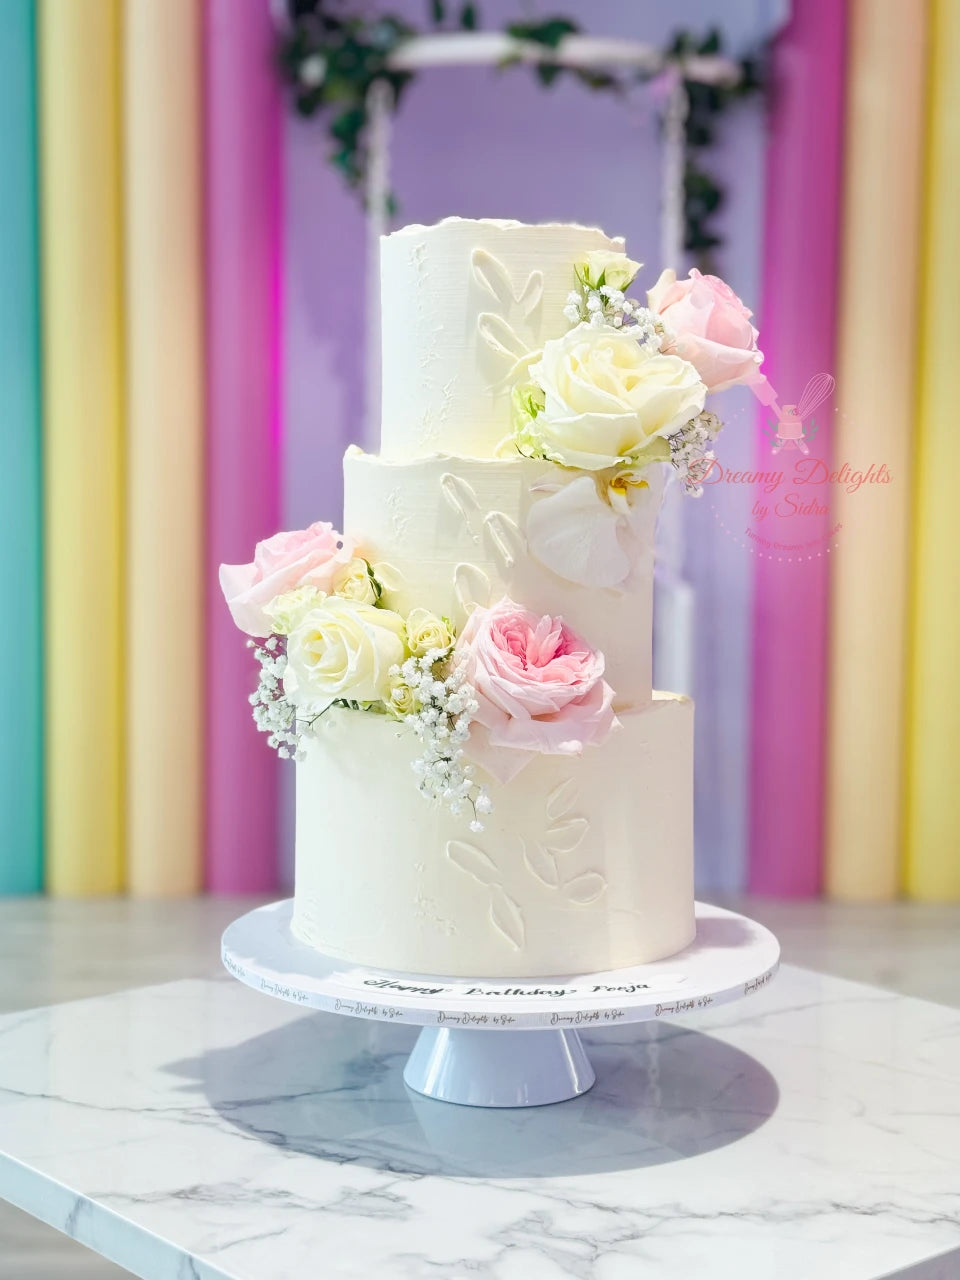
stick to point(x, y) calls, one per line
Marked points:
point(536, 1056)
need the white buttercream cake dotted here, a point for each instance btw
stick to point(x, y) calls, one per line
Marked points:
point(580, 855)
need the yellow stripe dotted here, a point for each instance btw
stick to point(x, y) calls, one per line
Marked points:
point(875, 398)
point(162, 124)
point(81, 259)
point(933, 794)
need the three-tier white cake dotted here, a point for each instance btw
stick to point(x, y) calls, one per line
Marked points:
point(585, 859)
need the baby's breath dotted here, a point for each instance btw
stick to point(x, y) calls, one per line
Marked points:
point(273, 713)
point(690, 452)
point(609, 307)
point(446, 704)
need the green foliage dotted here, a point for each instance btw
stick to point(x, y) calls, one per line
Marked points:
point(330, 57)
point(550, 32)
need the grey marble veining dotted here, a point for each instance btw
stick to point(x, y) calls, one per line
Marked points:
point(200, 1130)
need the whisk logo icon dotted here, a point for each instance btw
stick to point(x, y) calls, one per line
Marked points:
point(790, 428)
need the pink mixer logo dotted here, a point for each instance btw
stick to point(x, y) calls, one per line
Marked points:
point(794, 427)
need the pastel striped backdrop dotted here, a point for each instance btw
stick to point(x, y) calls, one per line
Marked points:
point(148, 344)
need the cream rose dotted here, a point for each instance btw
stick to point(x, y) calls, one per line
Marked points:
point(603, 266)
point(287, 611)
point(425, 631)
point(342, 649)
point(403, 700)
point(607, 398)
point(355, 583)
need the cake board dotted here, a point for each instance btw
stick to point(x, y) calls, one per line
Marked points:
point(503, 1042)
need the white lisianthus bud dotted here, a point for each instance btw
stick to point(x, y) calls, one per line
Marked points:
point(425, 631)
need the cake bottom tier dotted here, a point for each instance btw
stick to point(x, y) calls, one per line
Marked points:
point(584, 865)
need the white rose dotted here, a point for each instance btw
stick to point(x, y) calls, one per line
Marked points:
point(354, 582)
point(425, 631)
point(285, 612)
point(342, 649)
point(607, 398)
point(603, 266)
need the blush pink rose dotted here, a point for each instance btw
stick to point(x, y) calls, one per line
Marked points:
point(710, 328)
point(302, 558)
point(540, 688)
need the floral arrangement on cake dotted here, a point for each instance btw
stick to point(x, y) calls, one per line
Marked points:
point(624, 388)
point(511, 685)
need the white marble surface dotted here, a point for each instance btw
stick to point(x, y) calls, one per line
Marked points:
point(200, 1130)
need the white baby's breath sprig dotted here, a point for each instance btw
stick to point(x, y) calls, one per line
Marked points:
point(446, 703)
point(690, 452)
point(273, 713)
point(609, 306)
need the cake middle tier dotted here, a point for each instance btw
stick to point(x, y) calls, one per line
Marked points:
point(447, 534)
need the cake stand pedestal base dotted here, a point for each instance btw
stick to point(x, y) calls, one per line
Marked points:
point(504, 1042)
point(509, 1069)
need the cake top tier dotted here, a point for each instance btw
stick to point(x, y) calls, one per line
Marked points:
point(464, 303)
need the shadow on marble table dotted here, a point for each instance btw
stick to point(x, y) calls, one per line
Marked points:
point(945, 1266)
point(332, 1088)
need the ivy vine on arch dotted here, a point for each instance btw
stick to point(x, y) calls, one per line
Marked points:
point(329, 57)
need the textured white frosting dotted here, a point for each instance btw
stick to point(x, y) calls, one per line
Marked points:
point(462, 302)
point(586, 864)
point(447, 533)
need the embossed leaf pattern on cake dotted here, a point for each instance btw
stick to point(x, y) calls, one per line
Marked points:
point(565, 836)
point(506, 537)
point(541, 863)
point(473, 861)
point(506, 916)
point(462, 499)
point(471, 586)
point(505, 913)
point(496, 329)
point(586, 888)
point(501, 337)
point(561, 799)
point(490, 273)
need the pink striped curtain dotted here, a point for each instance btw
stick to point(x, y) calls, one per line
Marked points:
point(242, 220)
point(797, 319)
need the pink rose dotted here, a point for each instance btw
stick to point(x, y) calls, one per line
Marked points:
point(709, 326)
point(302, 558)
point(539, 686)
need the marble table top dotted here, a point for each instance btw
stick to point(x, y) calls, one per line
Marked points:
point(199, 1130)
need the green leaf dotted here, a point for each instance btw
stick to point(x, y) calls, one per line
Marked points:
point(439, 11)
point(547, 72)
point(550, 32)
point(347, 126)
point(468, 17)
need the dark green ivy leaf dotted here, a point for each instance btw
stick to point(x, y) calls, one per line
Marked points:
point(549, 32)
